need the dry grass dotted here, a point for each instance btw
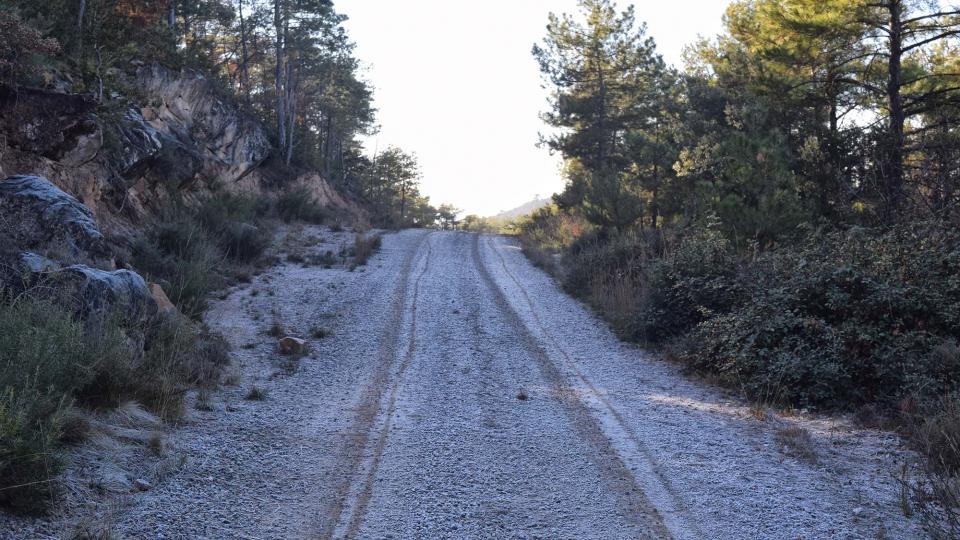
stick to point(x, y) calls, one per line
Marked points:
point(936, 496)
point(256, 393)
point(364, 247)
point(276, 329)
point(797, 442)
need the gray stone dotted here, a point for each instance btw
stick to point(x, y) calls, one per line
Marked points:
point(98, 292)
point(36, 215)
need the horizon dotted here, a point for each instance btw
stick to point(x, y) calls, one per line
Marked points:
point(501, 80)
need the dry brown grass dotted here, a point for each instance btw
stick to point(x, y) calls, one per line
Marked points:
point(797, 442)
point(256, 393)
point(936, 495)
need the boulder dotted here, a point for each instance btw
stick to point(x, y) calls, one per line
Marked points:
point(36, 215)
point(89, 291)
point(292, 346)
point(98, 292)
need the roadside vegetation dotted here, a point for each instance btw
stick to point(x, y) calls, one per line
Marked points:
point(780, 215)
point(58, 369)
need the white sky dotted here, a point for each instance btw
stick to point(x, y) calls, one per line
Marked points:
point(456, 84)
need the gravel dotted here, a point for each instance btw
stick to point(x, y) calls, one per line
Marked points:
point(461, 394)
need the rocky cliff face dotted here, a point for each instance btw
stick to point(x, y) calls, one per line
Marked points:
point(182, 138)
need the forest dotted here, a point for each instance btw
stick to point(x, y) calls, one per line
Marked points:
point(290, 63)
point(780, 213)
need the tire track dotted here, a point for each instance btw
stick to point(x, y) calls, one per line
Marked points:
point(362, 500)
point(360, 430)
point(638, 508)
point(677, 519)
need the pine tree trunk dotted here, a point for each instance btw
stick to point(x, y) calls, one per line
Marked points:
point(897, 141)
point(244, 67)
point(81, 13)
point(279, 86)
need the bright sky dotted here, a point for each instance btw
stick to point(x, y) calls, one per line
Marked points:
point(456, 84)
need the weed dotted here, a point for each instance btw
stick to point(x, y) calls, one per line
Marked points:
point(232, 377)
point(276, 329)
point(202, 402)
point(797, 442)
point(365, 247)
point(256, 393)
point(299, 205)
point(155, 443)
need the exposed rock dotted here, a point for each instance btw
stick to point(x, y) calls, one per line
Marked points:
point(227, 142)
point(141, 485)
point(45, 122)
point(88, 291)
point(164, 305)
point(139, 142)
point(183, 140)
point(98, 292)
point(292, 346)
point(38, 216)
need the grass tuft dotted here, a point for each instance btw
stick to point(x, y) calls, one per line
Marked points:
point(256, 393)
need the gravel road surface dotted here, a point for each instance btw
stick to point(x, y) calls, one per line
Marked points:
point(460, 394)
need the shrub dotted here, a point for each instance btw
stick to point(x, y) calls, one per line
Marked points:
point(50, 360)
point(547, 233)
point(46, 357)
point(236, 224)
point(193, 251)
point(650, 287)
point(299, 205)
point(365, 247)
point(846, 318)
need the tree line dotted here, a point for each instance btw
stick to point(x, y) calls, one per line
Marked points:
point(290, 63)
point(802, 111)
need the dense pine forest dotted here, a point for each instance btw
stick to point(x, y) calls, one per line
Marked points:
point(780, 213)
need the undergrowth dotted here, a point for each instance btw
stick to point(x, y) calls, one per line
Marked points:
point(52, 362)
point(848, 319)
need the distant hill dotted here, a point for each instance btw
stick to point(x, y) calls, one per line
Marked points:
point(523, 209)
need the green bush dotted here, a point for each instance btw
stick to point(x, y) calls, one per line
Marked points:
point(653, 288)
point(236, 224)
point(299, 205)
point(693, 282)
point(50, 361)
point(849, 317)
point(194, 251)
point(185, 259)
point(46, 358)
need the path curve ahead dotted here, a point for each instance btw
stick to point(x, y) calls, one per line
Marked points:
point(463, 395)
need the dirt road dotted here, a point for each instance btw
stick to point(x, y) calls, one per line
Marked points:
point(462, 395)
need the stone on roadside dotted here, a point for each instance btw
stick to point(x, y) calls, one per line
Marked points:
point(292, 346)
point(141, 485)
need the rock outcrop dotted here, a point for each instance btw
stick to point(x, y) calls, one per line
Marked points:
point(229, 142)
point(46, 231)
point(38, 216)
point(184, 139)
